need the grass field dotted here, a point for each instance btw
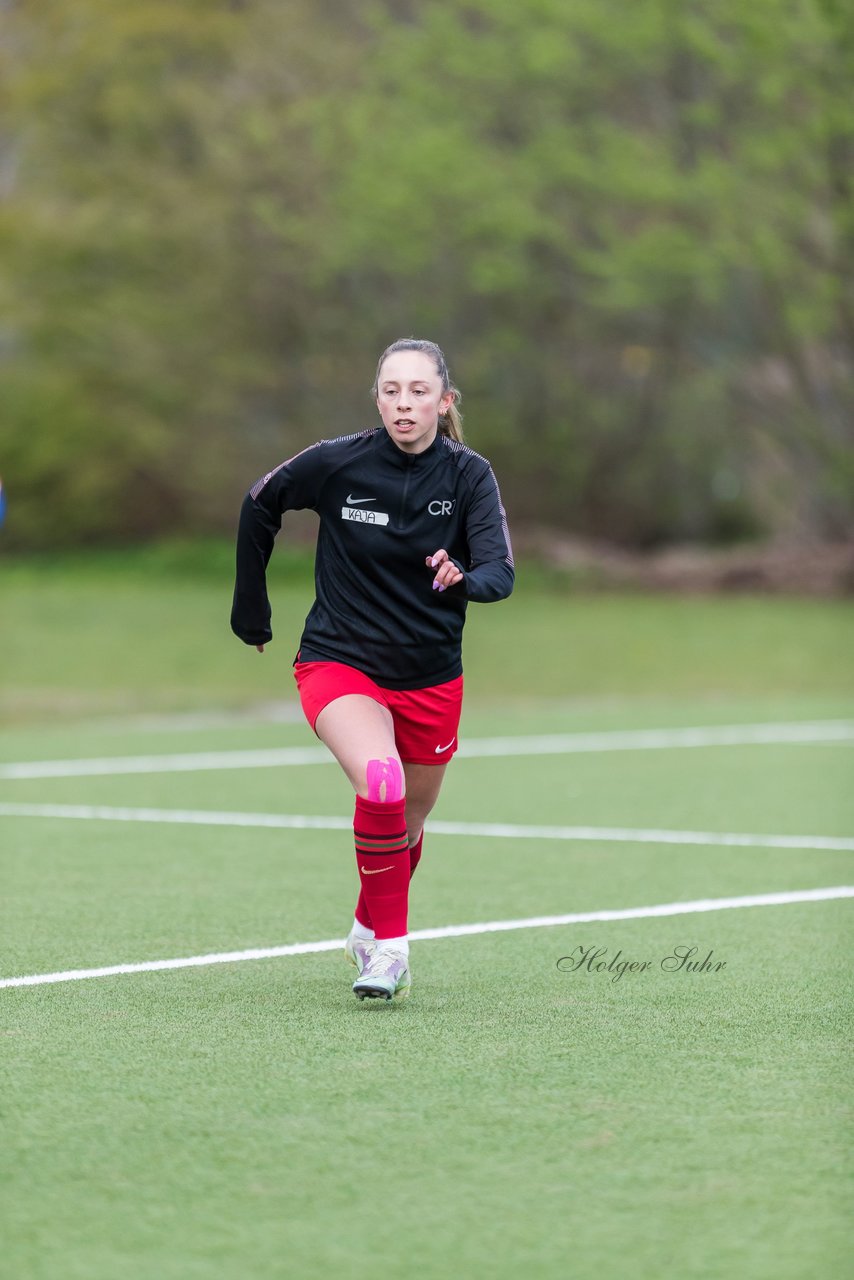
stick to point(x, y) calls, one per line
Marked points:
point(250, 1119)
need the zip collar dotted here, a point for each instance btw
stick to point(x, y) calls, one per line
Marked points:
point(399, 458)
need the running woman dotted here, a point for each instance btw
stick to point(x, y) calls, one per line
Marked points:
point(411, 529)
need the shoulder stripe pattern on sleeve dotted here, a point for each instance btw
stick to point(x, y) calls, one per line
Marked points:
point(265, 480)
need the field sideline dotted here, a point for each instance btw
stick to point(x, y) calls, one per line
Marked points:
point(208, 1100)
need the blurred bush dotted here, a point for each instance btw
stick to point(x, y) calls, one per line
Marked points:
point(631, 227)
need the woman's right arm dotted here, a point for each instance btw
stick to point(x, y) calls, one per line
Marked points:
point(293, 486)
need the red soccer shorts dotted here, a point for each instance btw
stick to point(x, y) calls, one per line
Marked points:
point(425, 720)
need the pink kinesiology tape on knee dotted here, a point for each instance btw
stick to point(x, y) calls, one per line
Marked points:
point(385, 772)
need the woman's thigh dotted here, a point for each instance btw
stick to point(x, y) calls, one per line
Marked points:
point(359, 730)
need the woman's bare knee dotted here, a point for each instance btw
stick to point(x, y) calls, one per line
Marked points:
point(384, 780)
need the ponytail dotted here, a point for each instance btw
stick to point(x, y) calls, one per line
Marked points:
point(451, 423)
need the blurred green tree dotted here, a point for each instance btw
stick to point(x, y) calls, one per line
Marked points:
point(630, 227)
point(622, 218)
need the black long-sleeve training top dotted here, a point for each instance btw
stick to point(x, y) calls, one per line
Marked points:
point(382, 511)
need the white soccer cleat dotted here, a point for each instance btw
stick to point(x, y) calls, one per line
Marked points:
point(384, 976)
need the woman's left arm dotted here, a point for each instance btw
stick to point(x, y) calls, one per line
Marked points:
point(489, 574)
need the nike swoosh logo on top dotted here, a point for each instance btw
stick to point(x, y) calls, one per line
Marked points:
point(354, 501)
point(378, 870)
point(439, 750)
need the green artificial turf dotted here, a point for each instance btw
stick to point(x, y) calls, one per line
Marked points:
point(253, 1120)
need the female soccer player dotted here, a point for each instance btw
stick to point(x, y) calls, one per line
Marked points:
point(411, 529)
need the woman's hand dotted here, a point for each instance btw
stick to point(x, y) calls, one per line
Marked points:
point(448, 575)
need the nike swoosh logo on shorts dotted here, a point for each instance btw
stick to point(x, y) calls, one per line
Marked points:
point(353, 501)
point(439, 750)
point(378, 870)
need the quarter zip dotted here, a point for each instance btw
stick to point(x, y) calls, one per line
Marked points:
point(407, 474)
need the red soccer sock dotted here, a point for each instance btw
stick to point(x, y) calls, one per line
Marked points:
point(415, 854)
point(362, 913)
point(382, 857)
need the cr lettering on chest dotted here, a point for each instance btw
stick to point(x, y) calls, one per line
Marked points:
point(441, 506)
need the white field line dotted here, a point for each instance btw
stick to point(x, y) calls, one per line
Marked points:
point(489, 830)
point(449, 931)
point(802, 732)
